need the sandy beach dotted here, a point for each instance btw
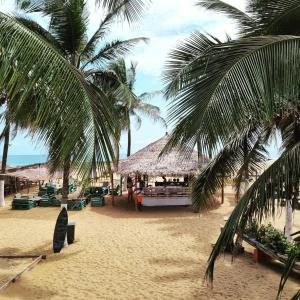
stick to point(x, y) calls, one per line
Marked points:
point(119, 253)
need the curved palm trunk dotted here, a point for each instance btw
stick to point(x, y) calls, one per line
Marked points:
point(4, 161)
point(65, 187)
point(5, 148)
point(129, 140)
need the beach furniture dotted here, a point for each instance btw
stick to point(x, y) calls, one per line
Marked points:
point(97, 201)
point(166, 196)
point(49, 200)
point(93, 192)
point(115, 191)
point(76, 204)
point(23, 203)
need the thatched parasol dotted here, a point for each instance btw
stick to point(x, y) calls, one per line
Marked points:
point(147, 161)
point(34, 172)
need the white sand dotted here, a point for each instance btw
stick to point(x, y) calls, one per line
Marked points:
point(159, 253)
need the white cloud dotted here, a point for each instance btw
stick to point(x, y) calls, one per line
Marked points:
point(166, 23)
point(7, 6)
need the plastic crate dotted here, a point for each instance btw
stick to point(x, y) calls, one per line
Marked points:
point(76, 204)
point(97, 201)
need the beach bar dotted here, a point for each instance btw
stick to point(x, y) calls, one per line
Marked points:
point(165, 179)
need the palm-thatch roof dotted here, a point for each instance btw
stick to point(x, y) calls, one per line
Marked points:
point(148, 161)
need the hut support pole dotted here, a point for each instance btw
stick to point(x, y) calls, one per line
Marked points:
point(2, 199)
point(121, 185)
point(112, 188)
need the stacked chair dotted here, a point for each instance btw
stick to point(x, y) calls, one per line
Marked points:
point(115, 191)
point(97, 201)
point(76, 204)
point(95, 195)
point(50, 200)
point(23, 203)
point(48, 190)
point(72, 188)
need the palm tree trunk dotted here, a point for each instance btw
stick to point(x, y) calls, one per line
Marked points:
point(4, 162)
point(65, 187)
point(5, 148)
point(111, 175)
point(129, 140)
point(288, 229)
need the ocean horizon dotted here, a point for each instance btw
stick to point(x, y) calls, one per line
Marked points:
point(24, 160)
point(30, 159)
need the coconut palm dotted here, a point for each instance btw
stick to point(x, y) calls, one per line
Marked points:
point(68, 35)
point(247, 88)
point(127, 102)
point(24, 53)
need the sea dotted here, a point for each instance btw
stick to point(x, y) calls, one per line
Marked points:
point(24, 160)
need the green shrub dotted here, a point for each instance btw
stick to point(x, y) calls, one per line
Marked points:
point(272, 238)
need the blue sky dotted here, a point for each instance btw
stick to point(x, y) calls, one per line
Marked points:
point(165, 23)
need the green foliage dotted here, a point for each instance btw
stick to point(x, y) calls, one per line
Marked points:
point(271, 237)
point(219, 89)
point(68, 44)
point(127, 103)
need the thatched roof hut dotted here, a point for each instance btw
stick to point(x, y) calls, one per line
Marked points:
point(35, 172)
point(147, 161)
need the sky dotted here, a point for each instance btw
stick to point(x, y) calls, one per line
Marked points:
point(165, 23)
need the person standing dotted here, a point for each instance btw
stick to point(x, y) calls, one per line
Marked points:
point(129, 189)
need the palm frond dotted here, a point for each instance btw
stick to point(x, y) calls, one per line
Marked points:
point(35, 27)
point(62, 95)
point(230, 84)
point(132, 10)
point(275, 184)
point(68, 24)
point(245, 21)
point(275, 17)
point(131, 75)
point(32, 6)
point(286, 272)
point(99, 34)
point(232, 160)
point(181, 60)
point(150, 111)
point(113, 50)
point(147, 96)
point(296, 296)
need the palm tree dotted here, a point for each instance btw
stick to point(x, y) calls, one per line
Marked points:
point(24, 53)
point(234, 96)
point(67, 34)
point(127, 102)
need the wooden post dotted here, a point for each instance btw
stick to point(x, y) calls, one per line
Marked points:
point(112, 188)
point(121, 185)
point(2, 185)
point(27, 268)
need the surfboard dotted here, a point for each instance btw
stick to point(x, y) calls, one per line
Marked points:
point(60, 231)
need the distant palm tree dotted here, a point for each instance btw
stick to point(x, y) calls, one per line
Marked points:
point(234, 96)
point(128, 103)
point(68, 35)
